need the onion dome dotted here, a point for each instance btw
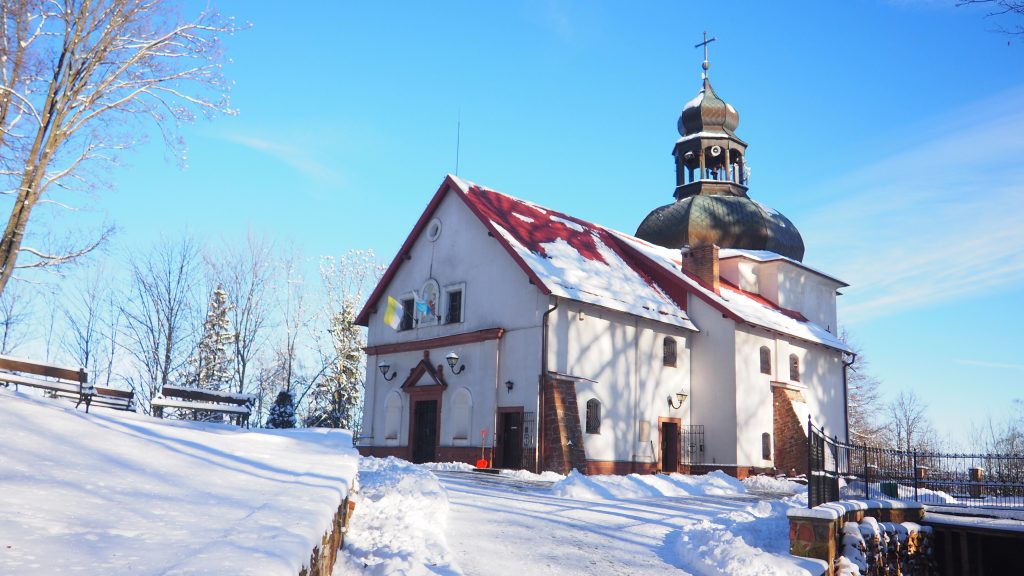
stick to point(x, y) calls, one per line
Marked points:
point(708, 113)
point(725, 221)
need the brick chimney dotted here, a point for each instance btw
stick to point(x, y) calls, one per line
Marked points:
point(702, 262)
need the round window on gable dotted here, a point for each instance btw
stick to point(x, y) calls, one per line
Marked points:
point(434, 229)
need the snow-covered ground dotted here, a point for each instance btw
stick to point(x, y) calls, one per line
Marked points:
point(411, 520)
point(118, 493)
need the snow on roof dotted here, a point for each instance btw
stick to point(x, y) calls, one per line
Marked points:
point(573, 258)
point(124, 493)
point(748, 308)
point(769, 256)
point(703, 134)
point(695, 101)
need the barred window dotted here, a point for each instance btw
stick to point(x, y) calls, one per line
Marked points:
point(766, 360)
point(668, 355)
point(593, 416)
point(794, 368)
point(408, 306)
point(454, 306)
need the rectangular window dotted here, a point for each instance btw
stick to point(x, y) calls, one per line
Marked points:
point(454, 306)
point(408, 307)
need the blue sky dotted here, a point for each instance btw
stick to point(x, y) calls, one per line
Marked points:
point(888, 132)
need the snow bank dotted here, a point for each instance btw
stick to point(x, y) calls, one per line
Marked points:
point(526, 475)
point(399, 524)
point(448, 466)
point(773, 485)
point(752, 541)
point(580, 487)
point(121, 493)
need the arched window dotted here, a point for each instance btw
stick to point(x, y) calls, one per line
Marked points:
point(766, 360)
point(794, 368)
point(462, 408)
point(766, 446)
point(392, 416)
point(593, 416)
point(668, 353)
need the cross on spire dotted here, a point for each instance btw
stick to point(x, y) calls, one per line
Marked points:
point(705, 45)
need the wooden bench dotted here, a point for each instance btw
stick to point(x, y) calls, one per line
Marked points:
point(109, 398)
point(64, 382)
point(237, 406)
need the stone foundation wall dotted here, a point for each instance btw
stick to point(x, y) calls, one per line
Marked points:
point(321, 560)
point(563, 436)
point(790, 433)
point(901, 547)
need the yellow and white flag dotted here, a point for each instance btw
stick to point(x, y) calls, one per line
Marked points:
point(393, 313)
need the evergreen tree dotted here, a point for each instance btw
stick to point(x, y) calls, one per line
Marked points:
point(212, 364)
point(336, 400)
point(282, 413)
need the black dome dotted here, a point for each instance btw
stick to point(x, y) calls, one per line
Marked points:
point(727, 221)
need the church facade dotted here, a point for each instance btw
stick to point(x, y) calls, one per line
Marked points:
point(537, 340)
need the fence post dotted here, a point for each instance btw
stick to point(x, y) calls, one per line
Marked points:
point(810, 474)
point(867, 477)
point(835, 464)
point(914, 469)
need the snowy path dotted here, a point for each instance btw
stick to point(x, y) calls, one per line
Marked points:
point(502, 525)
point(499, 526)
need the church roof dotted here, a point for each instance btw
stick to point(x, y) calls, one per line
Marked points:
point(740, 304)
point(571, 258)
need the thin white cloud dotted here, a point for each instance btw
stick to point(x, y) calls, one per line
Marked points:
point(942, 221)
point(301, 159)
point(984, 364)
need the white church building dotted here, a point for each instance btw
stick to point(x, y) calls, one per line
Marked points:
point(541, 341)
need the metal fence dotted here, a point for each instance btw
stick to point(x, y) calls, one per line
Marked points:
point(692, 442)
point(529, 458)
point(934, 479)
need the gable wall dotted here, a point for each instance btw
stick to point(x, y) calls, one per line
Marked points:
point(497, 295)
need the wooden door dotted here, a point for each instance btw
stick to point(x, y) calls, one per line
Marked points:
point(424, 431)
point(511, 440)
point(669, 447)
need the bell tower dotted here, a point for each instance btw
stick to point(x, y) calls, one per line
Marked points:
point(709, 156)
point(712, 206)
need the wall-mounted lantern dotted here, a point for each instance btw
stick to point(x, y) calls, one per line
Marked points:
point(384, 367)
point(680, 397)
point(453, 360)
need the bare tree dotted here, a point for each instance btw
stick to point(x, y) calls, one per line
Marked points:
point(1000, 8)
point(865, 409)
point(84, 308)
point(909, 427)
point(15, 317)
point(158, 313)
point(247, 275)
point(77, 76)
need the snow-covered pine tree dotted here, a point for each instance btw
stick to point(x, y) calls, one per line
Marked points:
point(282, 413)
point(336, 400)
point(211, 366)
